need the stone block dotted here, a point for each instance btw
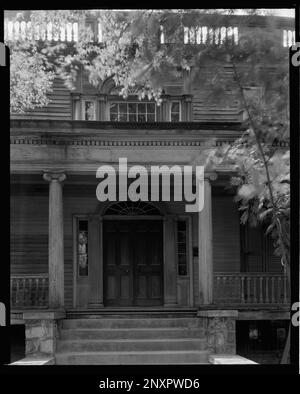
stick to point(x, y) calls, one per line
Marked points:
point(47, 346)
point(32, 346)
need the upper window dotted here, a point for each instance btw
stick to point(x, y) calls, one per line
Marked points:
point(89, 110)
point(132, 112)
point(175, 111)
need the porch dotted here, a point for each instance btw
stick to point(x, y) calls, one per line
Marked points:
point(236, 289)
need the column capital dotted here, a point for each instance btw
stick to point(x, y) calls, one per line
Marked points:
point(210, 175)
point(54, 176)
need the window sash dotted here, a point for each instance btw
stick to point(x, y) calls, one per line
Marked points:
point(82, 232)
point(174, 113)
point(132, 112)
point(84, 110)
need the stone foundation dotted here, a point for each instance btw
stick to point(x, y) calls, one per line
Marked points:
point(41, 332)
point(220, 330)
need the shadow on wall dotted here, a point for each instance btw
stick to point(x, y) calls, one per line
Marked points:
point(261, 340)
point(17, 342)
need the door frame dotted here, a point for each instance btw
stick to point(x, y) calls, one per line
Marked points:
point(165, 218)
point(141, 218)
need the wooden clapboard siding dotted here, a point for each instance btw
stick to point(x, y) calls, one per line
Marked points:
point(59, 107)
point(226, 234)
point(29, 234)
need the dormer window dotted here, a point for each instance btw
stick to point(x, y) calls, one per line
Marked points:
point(132, 112)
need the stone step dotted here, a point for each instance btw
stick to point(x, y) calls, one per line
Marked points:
point(132, 323)
point(83, 345)
point(131, 333)
point(131, 358)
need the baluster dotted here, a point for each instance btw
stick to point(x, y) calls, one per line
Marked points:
point(17, 291)
point(285, 298)
point(23, 30)
point(10, 30)
point(267, 300)
point(75, 31)
point(16, 30)
point(29, 31)
point(278, 290)
point(261, 299)
point(242, 290)
point(43, 292)
point(69, 32)
point(36, 32)
point(56, 32)
point(248, 290)
point(24, 295)
point(272, 290)
point(62, 33)
point(224, 288)
point(49, 32)
point(36, 298)
point(218, 286)
point(30, 292)
point(43, 34)
point(254, 290)
point(100, 35)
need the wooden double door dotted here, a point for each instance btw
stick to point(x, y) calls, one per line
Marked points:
point(133, 262)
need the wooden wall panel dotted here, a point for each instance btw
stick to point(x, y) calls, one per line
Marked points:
point(226, 234)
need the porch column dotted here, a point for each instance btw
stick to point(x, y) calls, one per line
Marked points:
point(95, 262)
point(205, 245)
point(56, 240)
point(170, 266)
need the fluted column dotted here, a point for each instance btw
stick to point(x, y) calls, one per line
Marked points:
point(56, 240)
point(205, 245)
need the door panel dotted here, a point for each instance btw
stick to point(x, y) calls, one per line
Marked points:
point(133, 263)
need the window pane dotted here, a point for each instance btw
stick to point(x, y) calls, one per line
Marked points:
point(142, 118)
point(151, 118)
point(142, 108)
point(114, 108)
point(175, 117)
point(82, 248)
point(175, 107)
point(123, 107)
point(89, 110)
point(114, 117)
point(132, 117)
point(182, 270)
point(151, 108)
point(132, 108)
point(181, 236)
point(123, 117)
point(181, 225)
point(181, 247)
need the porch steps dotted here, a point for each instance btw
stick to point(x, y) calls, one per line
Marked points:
point(121, 341)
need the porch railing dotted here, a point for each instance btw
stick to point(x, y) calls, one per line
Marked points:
point(250, 288)
point(29, 291)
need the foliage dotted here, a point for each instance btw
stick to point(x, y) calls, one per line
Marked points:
point(132, 54)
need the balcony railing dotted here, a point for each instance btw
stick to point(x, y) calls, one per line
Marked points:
point(29, 291)
point(69, 32)
point(250, 288)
